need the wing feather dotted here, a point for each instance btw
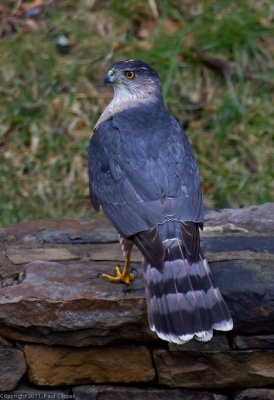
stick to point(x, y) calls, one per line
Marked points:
point(142, 171)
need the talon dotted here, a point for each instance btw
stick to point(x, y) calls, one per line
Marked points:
point(125, 276)
point(120, 277)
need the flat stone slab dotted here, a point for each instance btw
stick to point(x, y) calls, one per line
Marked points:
point(71, 304)
point(256, 219)
point(97, 230)
point(229, 234)
point(20, 255)
point(102, 392)
point(59, 365)
point(214, 248)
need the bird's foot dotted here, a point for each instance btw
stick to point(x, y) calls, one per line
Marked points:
point(125, 277)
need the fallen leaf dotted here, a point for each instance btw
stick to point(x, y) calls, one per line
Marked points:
point(145, 45)
point(31, 25)
point(265, 21)
point(146, 26)
point(171, 27)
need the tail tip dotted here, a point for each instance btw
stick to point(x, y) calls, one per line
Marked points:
point(225, 325)
point(202, 336)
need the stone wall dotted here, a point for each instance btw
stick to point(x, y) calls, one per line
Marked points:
point(65, 332)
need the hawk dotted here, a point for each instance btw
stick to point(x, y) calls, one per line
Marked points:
point(143, 174)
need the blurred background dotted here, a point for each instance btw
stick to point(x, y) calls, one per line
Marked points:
point(215, 60)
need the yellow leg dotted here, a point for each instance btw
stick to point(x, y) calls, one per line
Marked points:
point(125, 276)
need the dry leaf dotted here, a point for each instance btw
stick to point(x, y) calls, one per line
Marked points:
point(265, 21)
point(170, 27)
point(146, 26)
point(145, 45)
point(31, 25)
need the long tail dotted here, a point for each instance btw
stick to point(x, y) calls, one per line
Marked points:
point(183, 301)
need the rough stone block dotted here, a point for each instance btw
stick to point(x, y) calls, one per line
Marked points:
point(248, 288)
point(12, 365)
point(55, 366)
point(212, 370)
point(72, 305)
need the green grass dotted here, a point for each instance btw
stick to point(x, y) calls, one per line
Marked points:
point(49, 101)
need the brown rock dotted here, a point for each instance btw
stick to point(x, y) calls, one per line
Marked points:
point(12, 366)
point(256, 394)
point(103, 392)
point(55, 366)
point(21, 255)
point(253, 342)
point(111, 252)
point(23, 230)
point(73, 305)
point(206, 370)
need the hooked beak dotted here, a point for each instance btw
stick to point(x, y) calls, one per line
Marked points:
point(110, 77)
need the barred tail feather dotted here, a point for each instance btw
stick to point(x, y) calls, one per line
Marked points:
point(182, 300)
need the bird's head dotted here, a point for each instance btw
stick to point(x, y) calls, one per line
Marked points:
point(133, 78)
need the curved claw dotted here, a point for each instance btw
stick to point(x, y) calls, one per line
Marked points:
point(124, 277)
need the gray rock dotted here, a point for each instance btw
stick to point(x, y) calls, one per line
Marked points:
point(3, 235)
point(259, 218)
point(12, 365)
point(104, 234)
point(253, 342)
point(248, 288)
point(103, 392)
point(216, 344)
point(27, 392)
point(238, 247)
point(255, 394)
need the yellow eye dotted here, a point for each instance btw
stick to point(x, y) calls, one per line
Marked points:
point(129, 74)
